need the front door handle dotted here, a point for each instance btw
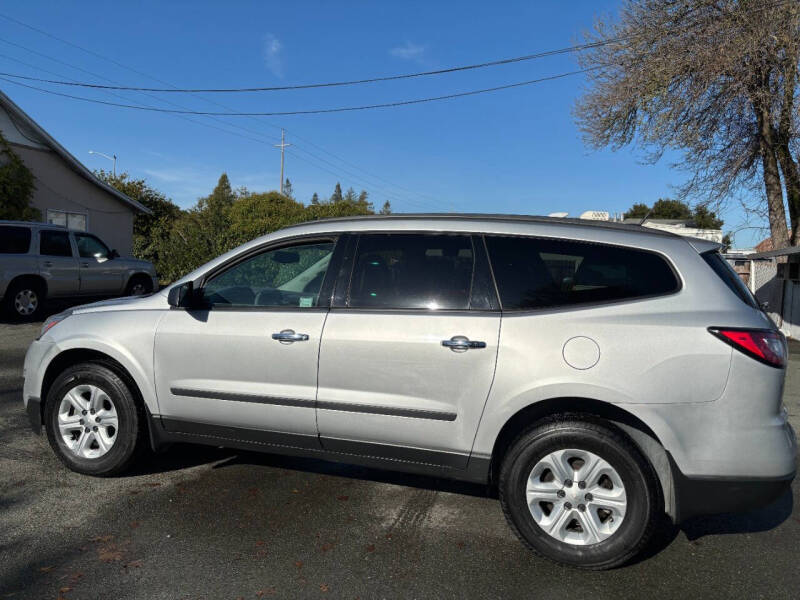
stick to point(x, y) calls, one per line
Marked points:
point(85, 264)
point(48, 263)
point(287, 336)
point(460, 343)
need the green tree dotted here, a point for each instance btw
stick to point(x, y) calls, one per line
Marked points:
point(665, 208)
point(337, 194)
point(151, 233)
point(16, 187)
point(256, 214)
point(706, 219)
point(637, 211)
point(386, 209)
point(213, 215)
point(315, 198)
point(287, 189)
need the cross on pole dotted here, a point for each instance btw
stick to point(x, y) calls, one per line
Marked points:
point(282, 145)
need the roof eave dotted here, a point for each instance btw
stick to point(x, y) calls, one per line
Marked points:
point(9, 104)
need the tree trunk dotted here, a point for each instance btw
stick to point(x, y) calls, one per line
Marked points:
point(791, 179)
point(772, 184)
point(772, 179)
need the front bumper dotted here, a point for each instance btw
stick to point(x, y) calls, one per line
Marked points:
point(39, 353)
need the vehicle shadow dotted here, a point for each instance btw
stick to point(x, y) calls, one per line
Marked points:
point(181, 456)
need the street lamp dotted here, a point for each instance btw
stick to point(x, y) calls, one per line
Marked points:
point(112, 158)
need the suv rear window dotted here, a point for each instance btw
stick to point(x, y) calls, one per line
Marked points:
point(14, 240)
point(537, 273)
point(729, 277)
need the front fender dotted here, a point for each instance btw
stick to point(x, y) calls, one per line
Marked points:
point(124, 336)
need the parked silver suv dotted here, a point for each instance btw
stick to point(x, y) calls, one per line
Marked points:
point(599, 375)
point(39, 261)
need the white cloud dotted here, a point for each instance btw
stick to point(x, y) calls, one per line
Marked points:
point(409, 51)
point(273, 54)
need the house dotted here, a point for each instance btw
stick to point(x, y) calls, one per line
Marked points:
point(781, 286)
point(681, 227)
point(67, 193)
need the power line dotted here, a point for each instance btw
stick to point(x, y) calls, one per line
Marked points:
point(495, 63)
point(394, 104)
point(111, 93)
point(370, 185)
point(174, 89)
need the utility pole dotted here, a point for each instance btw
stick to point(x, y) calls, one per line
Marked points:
point(282, 145)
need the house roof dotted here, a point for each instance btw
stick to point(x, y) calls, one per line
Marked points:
point(779, 252)
point(17, 113)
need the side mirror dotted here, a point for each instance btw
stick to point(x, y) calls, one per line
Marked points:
point(113, 254)
point(180, 296)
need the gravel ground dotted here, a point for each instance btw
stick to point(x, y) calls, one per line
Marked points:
point(199, 522)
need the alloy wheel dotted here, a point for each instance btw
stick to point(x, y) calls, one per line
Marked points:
point(87, 421)
point(576, 497)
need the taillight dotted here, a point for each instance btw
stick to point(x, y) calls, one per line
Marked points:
point(765, 345)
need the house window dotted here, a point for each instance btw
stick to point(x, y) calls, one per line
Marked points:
point(70, 220)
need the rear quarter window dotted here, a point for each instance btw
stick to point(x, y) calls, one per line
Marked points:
point(14, 240)
point(729, 277)
point(536, 273)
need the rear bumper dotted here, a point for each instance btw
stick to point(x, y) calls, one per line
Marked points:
point(695, 496)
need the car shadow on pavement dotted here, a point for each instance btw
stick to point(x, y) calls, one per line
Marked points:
point(180, 456)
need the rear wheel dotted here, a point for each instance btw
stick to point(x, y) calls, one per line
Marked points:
point(25, 299)
point(92, 420)
point(580, 493)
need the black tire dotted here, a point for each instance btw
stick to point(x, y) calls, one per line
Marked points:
point(136, 280)
point(30, 286)
point(643, 492)
point(131, 420)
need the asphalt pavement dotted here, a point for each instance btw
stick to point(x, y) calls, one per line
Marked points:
point(206, 523)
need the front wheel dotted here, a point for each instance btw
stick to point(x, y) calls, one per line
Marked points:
point(92, 420)
point(139, 285)
point(580, 493)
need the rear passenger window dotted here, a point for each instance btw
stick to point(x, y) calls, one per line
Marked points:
point(412, 271)
point(536, 273)
point(14, 240)
point(54, 243)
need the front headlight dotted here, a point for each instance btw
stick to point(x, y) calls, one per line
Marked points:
point(51, 322)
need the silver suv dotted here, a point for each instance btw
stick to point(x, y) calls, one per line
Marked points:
point(597, 375)
point(39, 261)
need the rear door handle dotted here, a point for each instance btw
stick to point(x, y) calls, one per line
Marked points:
point(86, 264)
point(460, 343)
point(48, 263)
point(287, 336)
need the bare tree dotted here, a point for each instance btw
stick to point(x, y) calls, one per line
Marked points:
point(713, 79)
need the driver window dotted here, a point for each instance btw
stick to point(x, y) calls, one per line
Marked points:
point(90, 247)
point(287, 277)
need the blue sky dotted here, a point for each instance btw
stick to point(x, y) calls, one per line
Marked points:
point(514, 151)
